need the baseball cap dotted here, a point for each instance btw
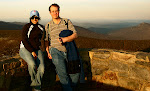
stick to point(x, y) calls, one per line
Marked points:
point(34, 12)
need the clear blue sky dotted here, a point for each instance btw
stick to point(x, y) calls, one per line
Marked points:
point(18, 10)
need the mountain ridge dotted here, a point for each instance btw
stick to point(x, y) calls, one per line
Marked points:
point(9, 26)
point(81, 31)
point(139, 32)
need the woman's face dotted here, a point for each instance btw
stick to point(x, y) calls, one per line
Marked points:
point(34, 19)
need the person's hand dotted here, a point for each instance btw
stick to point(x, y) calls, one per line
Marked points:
point(49, 55)
point(34, 55)
point(62, 40)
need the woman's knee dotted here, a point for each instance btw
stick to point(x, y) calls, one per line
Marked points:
point(31, 65)
point(41, 68)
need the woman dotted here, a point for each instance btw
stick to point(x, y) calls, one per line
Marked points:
point(30, 49)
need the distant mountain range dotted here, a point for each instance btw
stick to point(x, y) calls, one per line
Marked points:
point(10, 26)
point(90, 34)
point(81, 31)
point(102, 30)
point(139, 32)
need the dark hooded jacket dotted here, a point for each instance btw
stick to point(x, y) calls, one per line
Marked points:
point(72, 53)
point(31, 36)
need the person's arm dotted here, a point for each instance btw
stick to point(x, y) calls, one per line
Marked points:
point(47, 49)
point(26, 42)
point(69, 38)
point(47, 41)
point(25, 39)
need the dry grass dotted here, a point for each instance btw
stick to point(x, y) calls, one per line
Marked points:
point(128, 45)
point(9, 42)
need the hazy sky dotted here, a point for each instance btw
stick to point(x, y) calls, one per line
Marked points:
point(19, 10)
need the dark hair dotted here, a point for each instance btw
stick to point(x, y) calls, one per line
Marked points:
point(55, 5)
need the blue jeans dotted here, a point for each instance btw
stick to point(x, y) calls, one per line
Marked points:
point(59, 60)
point(82, 77)
point(35, 66)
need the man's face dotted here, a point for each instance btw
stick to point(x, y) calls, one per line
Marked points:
point(54, 12)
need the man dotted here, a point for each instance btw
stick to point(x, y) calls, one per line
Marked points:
point(57, 51)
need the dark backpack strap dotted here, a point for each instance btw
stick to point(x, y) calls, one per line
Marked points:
point(48, 26)
point(48, 32)
point(66, 23)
